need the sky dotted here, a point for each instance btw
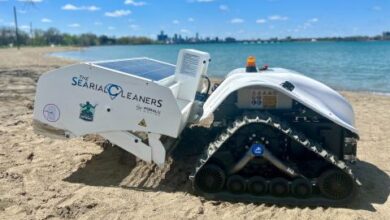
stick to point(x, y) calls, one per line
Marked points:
point(245, 19)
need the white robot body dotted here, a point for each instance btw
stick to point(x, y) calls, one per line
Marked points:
point(159, 99)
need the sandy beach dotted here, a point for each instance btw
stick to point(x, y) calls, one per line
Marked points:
point(85, 178)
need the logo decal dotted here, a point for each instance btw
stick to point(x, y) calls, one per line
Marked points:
point(87, 111)
point(142, 123)
point(51, 113)
point(257, 149)
point(113, 90)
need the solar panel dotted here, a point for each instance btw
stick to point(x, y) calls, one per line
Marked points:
point(146, 68)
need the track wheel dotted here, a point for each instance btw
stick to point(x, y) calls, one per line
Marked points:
point(279, 187)
point(236, 184)
point(257, 185)
point(335, 184)
point(210, 179)
point(301, 188)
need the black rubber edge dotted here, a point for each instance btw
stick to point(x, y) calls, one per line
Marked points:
point(287, 200)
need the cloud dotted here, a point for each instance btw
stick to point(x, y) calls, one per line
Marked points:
point(237, 21)
point(97, 23)
point(176, 22)
point(309, 23)
point(223, 8)
point(134, 27)
point(70, 7)
point(190, 19)
point(111, 28)
point(277, 18)
point(117, 13)
point(74, 25)
point(46, 20)
point(261, 21)
point(92, 8)
point(22, 11)
point(377, 8)
point(185, 31)
point(134, 3)
point(25, 27)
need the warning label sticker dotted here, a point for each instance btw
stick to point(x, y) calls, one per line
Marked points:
point(263, 98)
point(142, 123)
point(269, 101)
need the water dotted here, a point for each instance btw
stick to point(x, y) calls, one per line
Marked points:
point(356, 66)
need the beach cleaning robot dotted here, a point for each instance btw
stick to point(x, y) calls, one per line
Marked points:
point(280, 137)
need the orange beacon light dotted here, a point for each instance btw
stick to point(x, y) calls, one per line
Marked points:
point(251, 64)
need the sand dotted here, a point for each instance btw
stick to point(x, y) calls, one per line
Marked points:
point(42, 178)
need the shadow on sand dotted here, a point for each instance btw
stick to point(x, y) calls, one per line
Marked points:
point(117, 168)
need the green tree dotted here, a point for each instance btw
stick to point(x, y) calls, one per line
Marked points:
point(53, 36)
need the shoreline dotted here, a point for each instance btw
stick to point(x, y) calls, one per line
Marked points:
point(214, 78)
point(46, 178)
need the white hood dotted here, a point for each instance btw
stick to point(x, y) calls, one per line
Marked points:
point(311, 93)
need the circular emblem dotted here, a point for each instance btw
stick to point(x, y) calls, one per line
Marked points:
point(257, 149)
point(113, 90)
point(51, 113)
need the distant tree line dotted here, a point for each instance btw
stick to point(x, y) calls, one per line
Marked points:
point(347, 38)
point(53, 36)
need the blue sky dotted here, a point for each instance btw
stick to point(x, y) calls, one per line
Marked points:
point(240, 19)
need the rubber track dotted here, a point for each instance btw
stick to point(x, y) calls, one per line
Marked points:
point(270, 120)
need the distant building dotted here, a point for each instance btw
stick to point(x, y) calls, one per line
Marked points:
point(162, 37)
point(386, 35)
point(230, 40)
point(179, 39)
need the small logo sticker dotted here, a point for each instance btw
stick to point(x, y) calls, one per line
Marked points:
point(87, 111)
point(51, 113)
point(113, 90)
point(257, 149)
point(142, 123)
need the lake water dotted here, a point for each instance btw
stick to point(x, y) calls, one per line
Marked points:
point(356, 66)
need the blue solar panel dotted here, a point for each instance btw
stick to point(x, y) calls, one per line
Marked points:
point(145, 68)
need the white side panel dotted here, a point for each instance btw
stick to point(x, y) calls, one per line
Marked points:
point(128, 142)
point(119, 102)
point(158, 150)
point(309, 92)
